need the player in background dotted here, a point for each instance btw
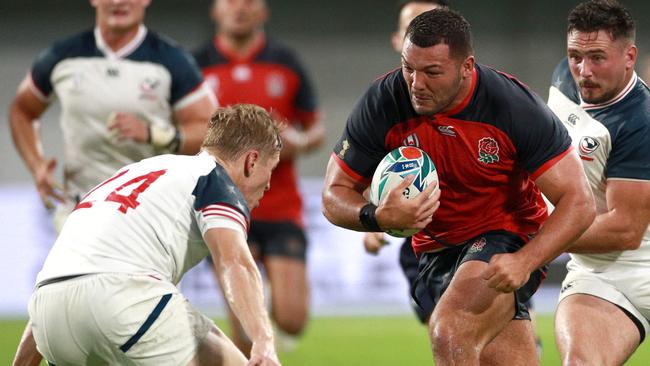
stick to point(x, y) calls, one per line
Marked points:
point(126, 93)
point(243, 65)
point(483, 250)
point(107, 292)
point(604, 308)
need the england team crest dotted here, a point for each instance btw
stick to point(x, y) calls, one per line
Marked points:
point(488, 150)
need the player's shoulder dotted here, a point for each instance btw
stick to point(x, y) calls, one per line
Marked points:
point(276, 51)
point(563, 81)
point(78, 45)
point(633, 112)
point(158, 48)
point(215, 186)
point(207, 54)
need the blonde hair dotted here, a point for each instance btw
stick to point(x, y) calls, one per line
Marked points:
point(239, 128)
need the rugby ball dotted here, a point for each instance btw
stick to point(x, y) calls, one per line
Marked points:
point(393, 168)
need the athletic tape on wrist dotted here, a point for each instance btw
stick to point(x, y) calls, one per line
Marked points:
point(161, 137)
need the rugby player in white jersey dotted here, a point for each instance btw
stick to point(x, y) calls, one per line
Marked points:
point(125, 93)
point(107, 292)
point(604, 309)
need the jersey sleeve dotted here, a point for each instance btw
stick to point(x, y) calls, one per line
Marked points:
point(630, 155)
point(537, 134)
point(42, 68)
point(305, 102)
point(362, 144)
point(219, 204)
point(187, 79)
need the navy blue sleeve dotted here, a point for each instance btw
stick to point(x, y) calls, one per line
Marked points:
point(186, 75)
point(630, 155)
point(537, 134)
point(217, 188)
point(305, 100)
point(362, 145)
point(42, 70)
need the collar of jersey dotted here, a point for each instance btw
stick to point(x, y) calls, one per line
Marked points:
point(457, 109)
point(234, 56)
point(616, 99)
point(124, 51)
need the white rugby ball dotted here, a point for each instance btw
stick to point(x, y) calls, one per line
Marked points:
point(393, 168)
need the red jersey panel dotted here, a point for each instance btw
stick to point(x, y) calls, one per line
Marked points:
point(272, 77)
point(487, 152)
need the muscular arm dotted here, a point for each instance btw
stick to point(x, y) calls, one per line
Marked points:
point(242, 286)
point(192, 121)
point(565, 185)
point(24, 110)
point(343, 199)
point(623, 225)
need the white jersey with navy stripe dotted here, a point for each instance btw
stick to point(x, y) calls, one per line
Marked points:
point(148, 218)
point(150, 77)
point(613, 141)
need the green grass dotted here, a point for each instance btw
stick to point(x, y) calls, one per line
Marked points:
point(357, 341)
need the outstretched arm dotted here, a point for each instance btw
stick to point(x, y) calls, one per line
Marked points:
point(241, 284)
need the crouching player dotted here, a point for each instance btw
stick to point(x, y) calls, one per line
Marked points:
point(107, 291)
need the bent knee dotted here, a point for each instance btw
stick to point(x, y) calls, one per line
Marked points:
point(291, 322)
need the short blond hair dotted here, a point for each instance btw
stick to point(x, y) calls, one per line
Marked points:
point(239, 128)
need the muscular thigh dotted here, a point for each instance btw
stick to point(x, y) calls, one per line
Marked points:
point(477, 311)
point(594, 330)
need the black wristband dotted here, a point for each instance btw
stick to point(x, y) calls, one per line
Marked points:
point(368, 219)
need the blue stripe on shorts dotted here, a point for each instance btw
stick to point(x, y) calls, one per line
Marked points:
point(147, 323)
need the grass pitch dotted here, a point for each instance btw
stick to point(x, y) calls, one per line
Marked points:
point(354, 341)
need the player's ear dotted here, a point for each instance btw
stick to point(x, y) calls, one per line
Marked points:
point(467, 67)
point(631, 53)
point(251, 161)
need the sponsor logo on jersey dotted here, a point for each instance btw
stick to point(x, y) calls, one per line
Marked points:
point(345, 145)
point(275, 85)
point(488, 150)
point(477, 246)
point(148, 88)
point(447, 130)
point(573, 119)
point(587, 147)
point(411, 140)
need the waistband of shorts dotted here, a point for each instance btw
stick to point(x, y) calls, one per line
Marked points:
point(50, 281)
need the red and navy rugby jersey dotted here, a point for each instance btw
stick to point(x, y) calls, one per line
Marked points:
point(488, 151)
point(272, 77)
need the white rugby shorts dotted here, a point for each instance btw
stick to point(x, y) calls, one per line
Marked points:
point(116, 319)
point(625, 285)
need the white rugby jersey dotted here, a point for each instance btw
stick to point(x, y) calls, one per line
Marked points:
point(613, 141)
point(148, 218)
point(149, 77)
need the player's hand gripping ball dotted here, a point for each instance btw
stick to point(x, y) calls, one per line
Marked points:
point(393, 168)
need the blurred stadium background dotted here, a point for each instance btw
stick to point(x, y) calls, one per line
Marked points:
point(361, 315)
